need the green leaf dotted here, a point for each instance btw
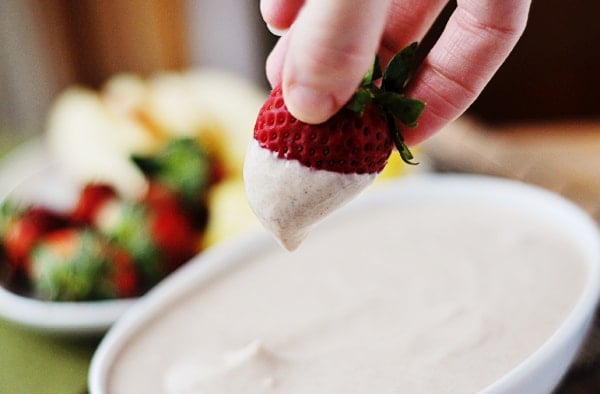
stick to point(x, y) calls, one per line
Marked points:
point(405, 109)
point(182, 165)
point(185, 167)
point(9, 210)
point(398, 70)
point(360, 100)
point(405, 153)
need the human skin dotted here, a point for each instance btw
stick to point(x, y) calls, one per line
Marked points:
point(326, 46)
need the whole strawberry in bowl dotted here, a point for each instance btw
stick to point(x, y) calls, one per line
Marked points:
point(297, 173)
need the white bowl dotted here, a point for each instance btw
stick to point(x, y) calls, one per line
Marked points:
point(90, 318)
point(538, 373)
point(30, 175)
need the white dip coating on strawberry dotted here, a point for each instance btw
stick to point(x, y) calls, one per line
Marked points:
point(290, 199)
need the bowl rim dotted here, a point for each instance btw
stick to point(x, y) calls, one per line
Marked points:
point(220, 257)
point(85, 318)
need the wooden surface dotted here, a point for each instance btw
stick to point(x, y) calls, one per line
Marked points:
point(87, 41)
point(563, 157)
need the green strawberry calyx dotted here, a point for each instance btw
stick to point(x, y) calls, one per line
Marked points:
point(390, 98)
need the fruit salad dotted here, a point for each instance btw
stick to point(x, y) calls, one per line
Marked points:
point(109, 246)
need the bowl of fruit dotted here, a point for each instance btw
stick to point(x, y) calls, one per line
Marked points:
point(125, 186)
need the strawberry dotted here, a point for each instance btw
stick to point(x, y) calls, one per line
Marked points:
point(91, 199)
point(171, 227)
point(164, 200)
point(298, 173)
point(160, 196)
point(346, 143)
point(22, 229)
point(126, 224)
point(125, 277)
point(76, 264)
point(174, 236)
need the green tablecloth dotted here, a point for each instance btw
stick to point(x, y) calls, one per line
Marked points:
point(33, 362)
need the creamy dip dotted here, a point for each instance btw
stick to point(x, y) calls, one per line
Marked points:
point(405, 298)
point(289, 199)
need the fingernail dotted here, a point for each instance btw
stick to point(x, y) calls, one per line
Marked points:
point(309, 105)
point(276, 31)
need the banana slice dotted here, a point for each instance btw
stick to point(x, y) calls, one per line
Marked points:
point(230, 214)
point(91, 145)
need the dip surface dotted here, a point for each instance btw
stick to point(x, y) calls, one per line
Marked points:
point(405, 298)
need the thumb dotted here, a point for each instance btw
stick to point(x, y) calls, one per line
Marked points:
point(331, 46)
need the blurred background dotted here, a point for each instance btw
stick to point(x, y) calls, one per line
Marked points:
point(48, 45)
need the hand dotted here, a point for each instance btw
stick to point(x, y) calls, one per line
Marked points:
point(327, 46)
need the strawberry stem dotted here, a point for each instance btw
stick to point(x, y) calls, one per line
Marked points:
point(390, 96)
point(393, 101)
point(361, 99)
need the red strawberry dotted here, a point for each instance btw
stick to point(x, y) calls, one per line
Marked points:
point(346, 143)
point(172, 228)
point(91, 199)
point(25, 230)
point(297, 173)
point(173, 234)
point(160, 196)
point(125, 278)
